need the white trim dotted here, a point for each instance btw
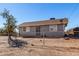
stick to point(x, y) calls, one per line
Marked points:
point(53, 28)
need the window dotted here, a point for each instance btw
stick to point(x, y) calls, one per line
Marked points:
point(53, 28)
point(27, 29)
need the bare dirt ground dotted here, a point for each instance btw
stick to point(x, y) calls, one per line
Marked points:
point(52, 47)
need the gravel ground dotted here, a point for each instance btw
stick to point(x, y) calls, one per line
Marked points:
point(51, 47)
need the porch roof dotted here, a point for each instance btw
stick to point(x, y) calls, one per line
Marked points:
point(63, 21)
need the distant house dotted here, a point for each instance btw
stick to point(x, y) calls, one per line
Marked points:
point(74, 32)
point(48, 28)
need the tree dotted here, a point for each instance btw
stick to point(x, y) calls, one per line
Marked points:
point(10, 23)
point(10, 26)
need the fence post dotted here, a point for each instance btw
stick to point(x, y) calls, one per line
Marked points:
point(43, 39)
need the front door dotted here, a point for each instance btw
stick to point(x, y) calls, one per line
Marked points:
point(38, 31)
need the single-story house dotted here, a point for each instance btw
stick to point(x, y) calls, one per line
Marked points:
point(48, 28)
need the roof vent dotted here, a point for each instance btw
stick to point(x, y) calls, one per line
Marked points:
point(52, 18)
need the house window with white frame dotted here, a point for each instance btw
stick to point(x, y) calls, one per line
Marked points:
point(27, 29)
point(53, 28)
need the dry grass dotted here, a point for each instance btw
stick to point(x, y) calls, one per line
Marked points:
point(53, 47)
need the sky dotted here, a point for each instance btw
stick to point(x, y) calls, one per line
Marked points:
point(27, 12)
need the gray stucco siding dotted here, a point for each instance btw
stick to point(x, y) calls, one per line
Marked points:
point(55, 34)
point(52, 34)
point(26, 34)
point(60, 27)
point(44, 30)
point(47, 34)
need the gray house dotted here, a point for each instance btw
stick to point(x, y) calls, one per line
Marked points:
point(48, 28)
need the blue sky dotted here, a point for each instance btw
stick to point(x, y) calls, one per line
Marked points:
point(42, 11)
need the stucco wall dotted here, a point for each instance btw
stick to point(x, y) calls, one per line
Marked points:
point(44, 30)
point(60, 27)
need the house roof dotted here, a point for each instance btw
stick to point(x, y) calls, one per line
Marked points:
point(72, 30)
point(51, 21)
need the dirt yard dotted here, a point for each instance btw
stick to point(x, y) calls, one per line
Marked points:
point(52, 47)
